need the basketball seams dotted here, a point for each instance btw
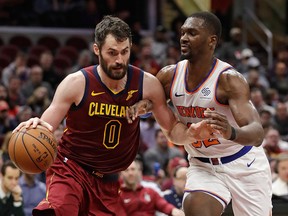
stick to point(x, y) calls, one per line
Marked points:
point(33, 150)
point(28, 153)
point(14, 148)
point(41, 141)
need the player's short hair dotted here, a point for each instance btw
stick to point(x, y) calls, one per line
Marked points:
point(211, 21)
point(112, 25)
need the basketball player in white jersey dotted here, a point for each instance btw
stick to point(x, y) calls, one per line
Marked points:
point(232, 166)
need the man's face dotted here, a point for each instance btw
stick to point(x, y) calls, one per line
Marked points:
point(194, 38)
point(162, 140)
point(283, 170)
point(179, 180)
point(131, 176)
point(114, 57)
point(10, 179)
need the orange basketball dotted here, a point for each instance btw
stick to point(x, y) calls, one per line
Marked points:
point(33, 150)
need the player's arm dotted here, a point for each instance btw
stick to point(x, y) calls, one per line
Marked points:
point(69, 91)
point(165, 76)
point(175, 131)
point(234, 90)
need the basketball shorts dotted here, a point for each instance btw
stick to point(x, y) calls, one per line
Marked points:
point(73, 191)
point(246, 181)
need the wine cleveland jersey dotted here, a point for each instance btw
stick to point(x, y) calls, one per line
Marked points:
point(190, 107)
point(98, 134)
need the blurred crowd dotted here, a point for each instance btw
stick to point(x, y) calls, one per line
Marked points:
point(27, 87)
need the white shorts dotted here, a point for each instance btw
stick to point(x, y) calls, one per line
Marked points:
point(246, 180)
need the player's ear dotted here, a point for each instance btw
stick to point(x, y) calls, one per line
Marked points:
point(96, 49)
point(213, 41)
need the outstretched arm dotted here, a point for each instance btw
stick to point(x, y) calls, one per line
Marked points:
point(175, 131)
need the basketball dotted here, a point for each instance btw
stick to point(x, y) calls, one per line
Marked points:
point(33, 150)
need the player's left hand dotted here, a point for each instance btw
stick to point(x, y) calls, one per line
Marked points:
point(202, 131)
point(139, 108)
point(219, 122)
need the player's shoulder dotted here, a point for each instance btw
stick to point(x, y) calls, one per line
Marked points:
point(228, 71)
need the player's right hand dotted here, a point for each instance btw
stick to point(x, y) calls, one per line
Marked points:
point(32, 123)
point(140, 108)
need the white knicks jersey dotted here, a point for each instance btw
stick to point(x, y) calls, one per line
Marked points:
point(190, 107)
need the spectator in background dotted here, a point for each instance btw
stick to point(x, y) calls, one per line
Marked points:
point(11, 202)
point(24, 113)
point(280, 119)
point(266, 120)
point(145, 59)
point(33, 192)
point(148, 127)
point(231, 51)
point(16, 68)
point(161, 153)
point(160, 45)
point(255, 74)
point(175, 194)
point(242, 66)
point(4, 148)
point(280, 185)
point(15, 97)
point(3, 92)
point(39, 100)
point(170, 170)
point(259, 102)
point(34, 81)
point(256, 80)
point(280, 80)
point(84, 60)
point(139, 200)
point(49, 73)
point(5, 120)
point(272, 97)
point(273, 144)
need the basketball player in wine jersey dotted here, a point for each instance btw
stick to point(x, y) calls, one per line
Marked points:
point(98, 141)
point(232, 166)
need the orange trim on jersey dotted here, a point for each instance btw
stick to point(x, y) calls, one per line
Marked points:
point(174, 78)
point(215, 88)
point(198, 88)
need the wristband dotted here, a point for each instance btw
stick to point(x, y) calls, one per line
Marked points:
point(233, 134)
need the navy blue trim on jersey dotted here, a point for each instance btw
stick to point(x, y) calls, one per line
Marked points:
point(217, 83)
point(74, 106)
point(141, 81)
point(226, 159)
point(206, 77)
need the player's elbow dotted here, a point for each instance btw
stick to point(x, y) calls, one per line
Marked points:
point(259, 138)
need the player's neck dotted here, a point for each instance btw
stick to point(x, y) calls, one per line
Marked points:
point(114, 85)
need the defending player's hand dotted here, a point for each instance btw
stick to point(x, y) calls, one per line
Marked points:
point(219, 122)
point(202, 131)
point(32, 123)
point(140, 108)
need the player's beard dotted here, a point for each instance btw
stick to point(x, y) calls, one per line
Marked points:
point(109, 70)
point(187, 56)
